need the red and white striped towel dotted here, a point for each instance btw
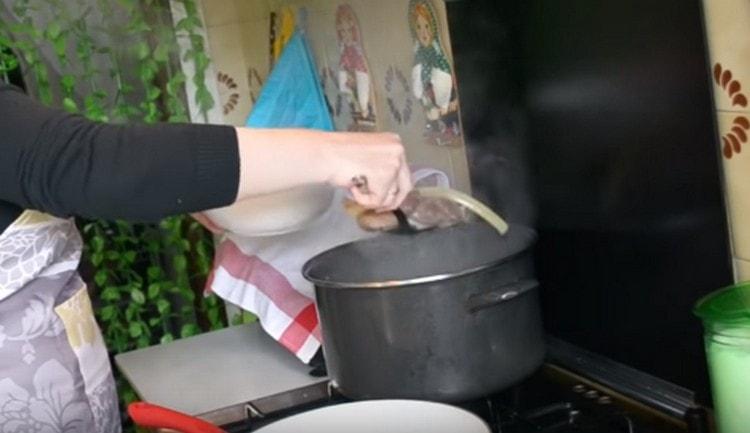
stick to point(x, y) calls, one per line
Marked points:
point(263, 275)
point(290, 316)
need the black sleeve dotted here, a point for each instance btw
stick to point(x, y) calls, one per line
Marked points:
point(65, 165)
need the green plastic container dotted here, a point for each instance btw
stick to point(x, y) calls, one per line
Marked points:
point(726, 320)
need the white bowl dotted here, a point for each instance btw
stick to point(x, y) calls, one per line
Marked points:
point(274, 214)
point(382, 416)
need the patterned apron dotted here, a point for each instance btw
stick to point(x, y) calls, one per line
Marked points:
point(55, 374)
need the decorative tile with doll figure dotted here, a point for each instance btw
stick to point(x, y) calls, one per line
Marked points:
point(354, 80)
point(433, 81)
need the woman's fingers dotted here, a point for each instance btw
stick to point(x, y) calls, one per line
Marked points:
point(373, 195)
point(365, 198)
point(379, 194)
point(373, 167)
point(389, 201)
point(398, 190)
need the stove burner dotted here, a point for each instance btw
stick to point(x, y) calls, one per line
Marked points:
point(558, 417)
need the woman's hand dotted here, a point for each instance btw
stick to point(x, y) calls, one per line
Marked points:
point(371, 165)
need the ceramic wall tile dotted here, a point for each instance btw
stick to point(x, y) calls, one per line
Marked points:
point(227, 55)
point(385, 47)
point(256, 54)
point(369, 80)
point(741, 270)
point(728, 31)
point(249, 11)
point(220, 12)
point(238, 34)
point(310, 5)
point(734, 128)
point(399, 63)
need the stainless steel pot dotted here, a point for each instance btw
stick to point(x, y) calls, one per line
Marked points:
point(446, 314)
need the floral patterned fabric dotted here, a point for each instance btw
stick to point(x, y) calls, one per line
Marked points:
point(35, 245)
point(54, 371)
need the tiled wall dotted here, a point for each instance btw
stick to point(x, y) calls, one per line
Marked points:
point(388, 48)
point(728, 31)
point(238, 35)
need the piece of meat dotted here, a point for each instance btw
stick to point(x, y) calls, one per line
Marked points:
point(422, 213)
point(427, 212)
point(373, 221)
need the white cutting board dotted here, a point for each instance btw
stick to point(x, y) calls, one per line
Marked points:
point(214, 370)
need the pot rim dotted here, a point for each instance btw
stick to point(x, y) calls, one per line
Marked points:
point(328, 284)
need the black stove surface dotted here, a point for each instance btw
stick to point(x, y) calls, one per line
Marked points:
point(551, 401)
point(537, 406)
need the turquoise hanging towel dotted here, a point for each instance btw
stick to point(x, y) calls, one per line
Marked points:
point(292, 96)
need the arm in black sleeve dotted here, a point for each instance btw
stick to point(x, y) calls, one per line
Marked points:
point(66, 165)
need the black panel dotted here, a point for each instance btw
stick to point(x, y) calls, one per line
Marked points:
point(618, 131)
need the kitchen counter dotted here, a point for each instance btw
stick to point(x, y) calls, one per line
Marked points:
point(215, 370)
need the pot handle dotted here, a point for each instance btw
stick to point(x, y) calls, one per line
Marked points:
point(500, 295)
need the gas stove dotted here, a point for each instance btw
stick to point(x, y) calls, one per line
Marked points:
point(573, 392)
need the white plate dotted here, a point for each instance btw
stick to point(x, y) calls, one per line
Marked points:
point(382, 416)
point(275, 214)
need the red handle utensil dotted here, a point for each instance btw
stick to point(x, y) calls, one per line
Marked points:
point(152, 416)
